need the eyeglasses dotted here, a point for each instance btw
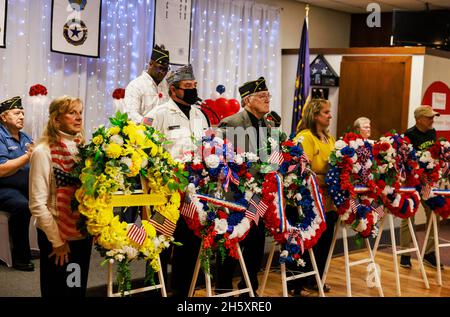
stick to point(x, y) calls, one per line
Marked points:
point(263, 95)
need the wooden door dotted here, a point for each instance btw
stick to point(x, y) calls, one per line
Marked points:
point(376, 87)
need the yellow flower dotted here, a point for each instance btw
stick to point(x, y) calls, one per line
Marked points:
point(113, 130)
point(88, 162)
point(98, 139)
point(113, 150)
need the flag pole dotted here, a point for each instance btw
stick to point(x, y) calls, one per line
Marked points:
point(307, 14)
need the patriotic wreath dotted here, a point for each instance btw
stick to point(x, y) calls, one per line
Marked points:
point(350, 168)
point(110, 163)
point(435, 166)
point(392, 164)
point(288, 180)
point(216, 176)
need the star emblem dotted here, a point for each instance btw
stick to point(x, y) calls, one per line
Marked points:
point(75, 31)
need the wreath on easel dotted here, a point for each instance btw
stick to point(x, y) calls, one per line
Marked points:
point(434, 164)
point(217, 175)
point(110, 163)
point(394, 171)
point(350, 169)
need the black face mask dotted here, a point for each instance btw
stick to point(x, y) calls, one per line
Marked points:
point(190, 95)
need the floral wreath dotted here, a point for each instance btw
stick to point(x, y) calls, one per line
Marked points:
point(288, 180)
point(434, 165)
point(392, 163)
point(215, 171)
point(350, 169)
point(111, 162)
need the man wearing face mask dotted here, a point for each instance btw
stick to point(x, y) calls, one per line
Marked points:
point(180, 120)
point(150, 89)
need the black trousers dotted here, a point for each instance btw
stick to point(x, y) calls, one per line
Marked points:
point(15, 202)
point(182, 259)
point(321, 250)
point(253, 253)
point(69, 280)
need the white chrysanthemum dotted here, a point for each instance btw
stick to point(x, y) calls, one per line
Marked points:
point(117, 139)
point(130, 252)
point(220, 226)
point(212, 161)
point(298, 197)
point(196, 160)
point(127, 161)
point(251, 156)
point(190, 190)
point(238, 159)
point(362, 225)
point(340, 144)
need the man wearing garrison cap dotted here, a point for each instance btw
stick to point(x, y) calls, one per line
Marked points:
point(15, 152)
point(248, 131)
point(150, 89)
point(183, 123)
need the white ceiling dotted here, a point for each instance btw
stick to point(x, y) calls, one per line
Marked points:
point(359, 6)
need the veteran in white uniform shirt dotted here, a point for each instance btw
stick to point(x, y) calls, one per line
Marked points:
point(150, 89)
point(180, 119)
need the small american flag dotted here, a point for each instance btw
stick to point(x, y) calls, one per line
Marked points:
point(276, 158)
point(137, 234)
point(252, 213)
point(147, 121)
point(426, 191)
point(379, 209)
point(258, 205)
point(353, 205)
point(162, 224)
point(188, 209)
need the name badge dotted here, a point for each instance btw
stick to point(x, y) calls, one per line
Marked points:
point(174, 127)
point(13, 148)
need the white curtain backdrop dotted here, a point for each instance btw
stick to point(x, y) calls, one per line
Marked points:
point(125, 48)
point(234, 41)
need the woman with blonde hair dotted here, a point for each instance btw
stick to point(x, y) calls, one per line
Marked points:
point(318, 143)
point(65, 251)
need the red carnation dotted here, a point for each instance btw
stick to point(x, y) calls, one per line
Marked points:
point(119, 93)
point(37, 90)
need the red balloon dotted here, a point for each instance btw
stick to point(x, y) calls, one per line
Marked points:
point(222, 106)
point(235, 106)
point(210, 109)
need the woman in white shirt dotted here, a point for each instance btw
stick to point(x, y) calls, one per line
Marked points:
point(65, 251)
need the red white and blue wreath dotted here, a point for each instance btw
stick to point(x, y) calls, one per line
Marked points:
point(288, 180)
point(351, 186)
point(393, 162)
point(434, 164)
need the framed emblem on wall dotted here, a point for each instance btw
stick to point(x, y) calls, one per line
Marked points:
point(75, 27)
point(3, 18)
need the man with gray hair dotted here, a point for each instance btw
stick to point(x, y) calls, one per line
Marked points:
point(181, 121)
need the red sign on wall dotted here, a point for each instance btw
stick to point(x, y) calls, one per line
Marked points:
point(437, 95)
